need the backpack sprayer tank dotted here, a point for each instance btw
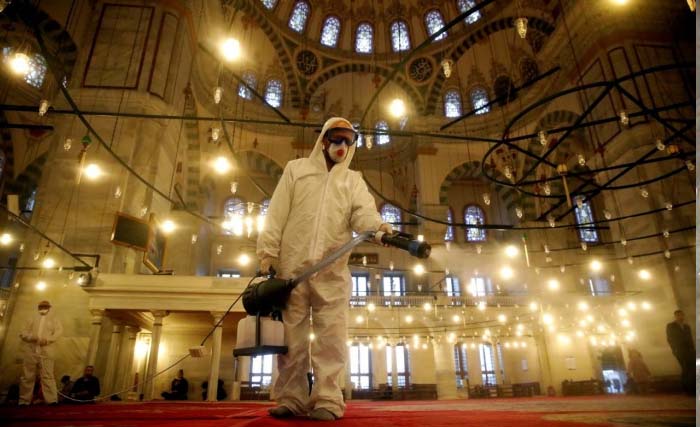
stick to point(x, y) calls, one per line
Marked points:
point(262, 331)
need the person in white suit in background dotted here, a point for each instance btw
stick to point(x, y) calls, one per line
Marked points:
point(316, 206)
point(39, 335)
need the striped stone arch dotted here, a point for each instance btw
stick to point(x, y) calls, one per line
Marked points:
point(261, 16)
point(413, 94)
point(473, 170)
point(58, 42)
point(253, 161)
point(434, 94)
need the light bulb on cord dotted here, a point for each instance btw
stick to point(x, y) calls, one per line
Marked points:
point(644, 274)
point(218, 92)
point(553, 285)
point(487, 198)
point(40, 285)
point(581, 160)
point(644, 192)
point(607, 214)
point(48, 263)
point(168, 226)
point(369, 141)
point(215, 132)
point(506, 272)
point(67, 144)
point(689, 164)
point(551, 221)
point(231, 49)
point(427, 306)
point(234, 187)
point(419, 269)
point(596, 265)
point(243, 260)
point(43, 107)
point(542, 136)
point(221, 165)
point(447, 67)
point(511, 251)
point(660, 144)
point(669, 206)
point(624, 118)
point(5, 239)
point(397, 108)
point(518, 211)
point(92, 171)
point(19, 63)
point(547, 189)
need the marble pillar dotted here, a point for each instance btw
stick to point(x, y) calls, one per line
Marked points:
point(445, 370)
point(215, 357)
point(108, 383)
point(149, 382)
point(95, 327)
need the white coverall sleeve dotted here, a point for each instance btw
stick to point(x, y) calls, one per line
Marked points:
point(26, 333)
point(55, 332)
point(270, 239)
point(364, 215)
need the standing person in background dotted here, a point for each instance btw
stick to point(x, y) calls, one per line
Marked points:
point(681, 341)
point(39, 335)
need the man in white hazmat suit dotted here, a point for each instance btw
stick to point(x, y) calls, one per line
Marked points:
point(39, 335)
point(318, 202)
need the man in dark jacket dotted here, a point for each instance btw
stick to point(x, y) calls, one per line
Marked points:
point(178, 388)
point(87, 387)
point(681, 341)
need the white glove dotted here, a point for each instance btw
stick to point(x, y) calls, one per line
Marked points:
point(386, 228)
point(266, 263)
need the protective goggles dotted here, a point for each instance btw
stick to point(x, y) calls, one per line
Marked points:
point(334, 136)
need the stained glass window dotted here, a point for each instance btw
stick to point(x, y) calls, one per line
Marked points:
point(474, 215)
point(300, 13)
point(37, 68)
point(584, 215)
point(364, 38)
point(393, 284)
point(330, 32)
point(382, 138)
point(270, 4)
point(250, 79)
point(465, 5)
point(480, 286)
point(450, 232)
point(480, 99)
point(392, 215)
point(400, 40)
point(273, 93)
point(453, 104)
point(434, 23)
point(452, 286)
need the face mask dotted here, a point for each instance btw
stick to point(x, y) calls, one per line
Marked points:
point(337, 152)
point(43, 311)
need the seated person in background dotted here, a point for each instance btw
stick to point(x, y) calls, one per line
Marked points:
point(178, 388)
point(220, 392)
point(86, 387)
point(66, 387)
point(12, 397)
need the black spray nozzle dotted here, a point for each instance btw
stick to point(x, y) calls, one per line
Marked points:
point(408, 243)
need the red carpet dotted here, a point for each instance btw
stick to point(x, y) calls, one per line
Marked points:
point(527, 412)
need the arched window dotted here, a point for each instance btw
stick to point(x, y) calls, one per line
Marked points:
point(528, 69)
point(465, 5)
point(450, 233)
point(234, 206)
point(453, 104)
point(434, 23)
point(584, 215)
point(299, 16)
point(330, 32)
point(400, 39)
point(360, 137)
point(480, 100)
point(392, 215)
point(382, 138)
point(273, 93)
point(269, 4)
point(250, 80)
point(474, 215)
point(364, 38)
point(37, 68)
point(503, 90)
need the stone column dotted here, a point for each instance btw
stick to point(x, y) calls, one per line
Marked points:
point(112, 359)
point(394, 373)
point(348, 372)
point(543, 359)
point(497, 363)
point(215, 357)
point(444, 370)
point(149, 381)
point(95, 327)
point(126, 363)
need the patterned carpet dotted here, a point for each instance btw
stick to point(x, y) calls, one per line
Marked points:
point(622, 411)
